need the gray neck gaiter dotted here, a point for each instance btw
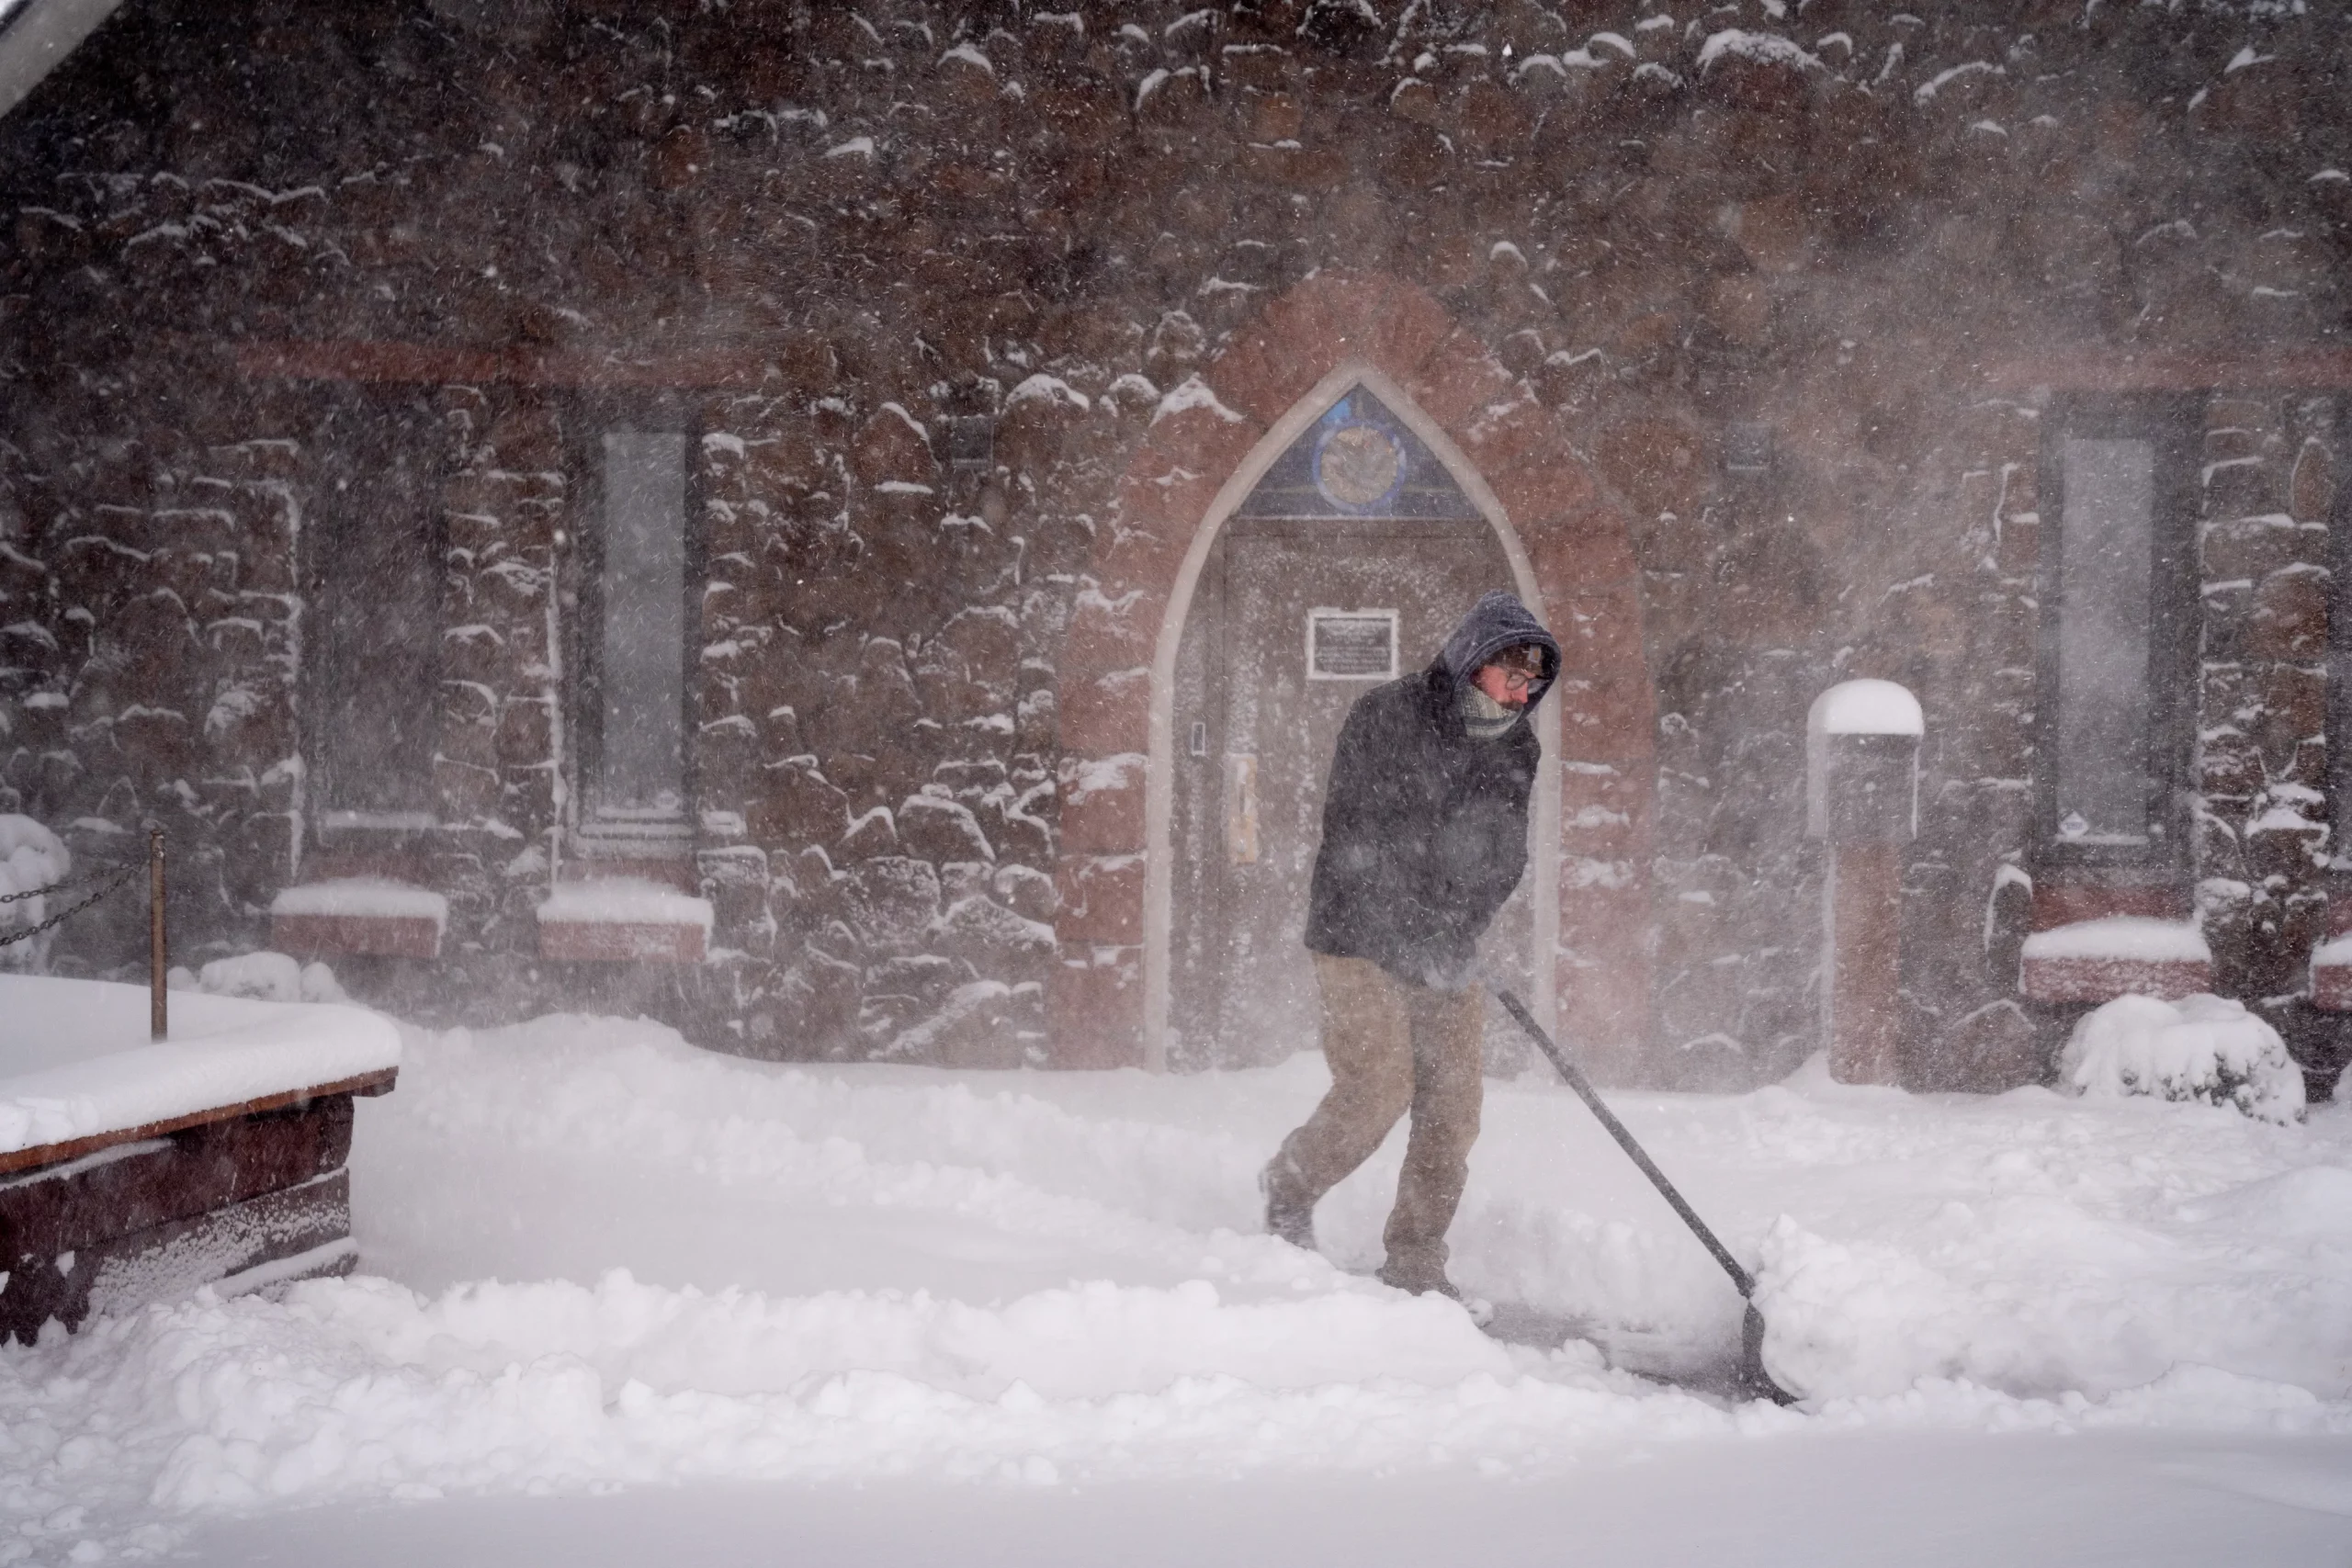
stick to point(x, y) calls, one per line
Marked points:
point(1484, 717)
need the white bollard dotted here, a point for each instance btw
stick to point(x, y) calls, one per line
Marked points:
point(1862, 797)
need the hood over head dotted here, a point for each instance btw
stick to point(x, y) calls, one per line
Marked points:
point(1496, 622)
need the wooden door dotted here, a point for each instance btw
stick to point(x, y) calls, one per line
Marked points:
point(1294, 622)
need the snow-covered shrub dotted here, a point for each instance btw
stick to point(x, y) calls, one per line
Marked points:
point(265, 976)
point(30, 857)
point(2202, 1048)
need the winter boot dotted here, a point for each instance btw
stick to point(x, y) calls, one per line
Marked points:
point(1290, 1213)
point(1481, 1311)
point(1419, 1283)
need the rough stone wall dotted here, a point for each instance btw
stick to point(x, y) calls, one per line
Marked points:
point(496, 780)
point(876, 691)
point(837, 230)
point(154, 641)
point(1973, 651)
point(2262, 819)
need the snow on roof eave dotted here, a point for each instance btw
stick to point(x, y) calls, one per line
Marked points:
point(35, 38)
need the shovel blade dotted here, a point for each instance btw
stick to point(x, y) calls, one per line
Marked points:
point(1754, 1382)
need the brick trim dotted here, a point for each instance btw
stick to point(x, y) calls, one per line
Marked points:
point(345, 936)
point(2104, 980)
point(1577, 545)
point(437, 365)
point(2057, 902)
point(2332, 987)
point(2105, 370)
point(621, 942)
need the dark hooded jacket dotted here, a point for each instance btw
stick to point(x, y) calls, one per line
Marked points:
point(1424, 825)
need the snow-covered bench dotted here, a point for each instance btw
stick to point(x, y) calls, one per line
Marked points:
point(133, 1172)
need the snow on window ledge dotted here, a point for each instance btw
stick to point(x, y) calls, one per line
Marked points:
point(358, 915)
point(372, 898)
point(2099, 960)
point(2135, 937)
point(2336, 952)
point(624, 919)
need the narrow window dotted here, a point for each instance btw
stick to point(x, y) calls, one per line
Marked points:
point(2106, 552)
point(641, 644)
point(2118, 596)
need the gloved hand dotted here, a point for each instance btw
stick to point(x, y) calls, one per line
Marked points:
point(1451, 971)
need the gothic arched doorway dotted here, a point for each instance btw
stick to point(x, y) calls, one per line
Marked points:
point(1111, 998)
point(1347, 562)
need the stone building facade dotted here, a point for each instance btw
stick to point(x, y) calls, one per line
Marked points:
point(380, 383)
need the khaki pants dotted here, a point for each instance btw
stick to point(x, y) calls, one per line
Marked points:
point(1392, 1046)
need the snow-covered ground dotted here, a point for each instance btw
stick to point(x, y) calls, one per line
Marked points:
point(630, 1302)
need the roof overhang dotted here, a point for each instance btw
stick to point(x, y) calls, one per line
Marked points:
point(35, 38)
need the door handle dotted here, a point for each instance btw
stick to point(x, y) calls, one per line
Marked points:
point(1241, 808)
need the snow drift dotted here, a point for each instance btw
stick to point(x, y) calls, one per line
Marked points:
point(601, 1256)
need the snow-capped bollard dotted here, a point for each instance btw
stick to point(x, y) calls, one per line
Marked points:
point(1862, 796)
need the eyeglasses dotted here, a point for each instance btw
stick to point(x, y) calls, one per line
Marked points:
point(1514, 680)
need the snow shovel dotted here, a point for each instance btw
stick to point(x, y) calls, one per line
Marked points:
point(1751, 1381)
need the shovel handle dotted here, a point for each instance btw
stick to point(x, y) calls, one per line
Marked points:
point(1578, 1082)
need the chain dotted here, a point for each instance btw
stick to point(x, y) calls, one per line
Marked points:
point(61, 884)
point(121, 875)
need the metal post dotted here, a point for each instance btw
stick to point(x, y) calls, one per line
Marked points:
point(159, 957)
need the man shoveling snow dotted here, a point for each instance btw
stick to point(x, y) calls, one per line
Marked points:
point(1424, 836)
